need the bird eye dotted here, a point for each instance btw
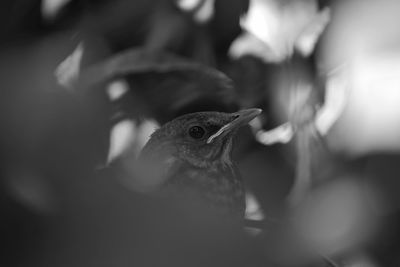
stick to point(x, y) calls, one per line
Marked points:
point(196, 132)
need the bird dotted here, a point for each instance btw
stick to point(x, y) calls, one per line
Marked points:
point(190, 158)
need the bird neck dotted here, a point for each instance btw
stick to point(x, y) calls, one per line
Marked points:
point(219, 156)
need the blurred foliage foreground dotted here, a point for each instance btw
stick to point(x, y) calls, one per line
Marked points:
point(84, 83)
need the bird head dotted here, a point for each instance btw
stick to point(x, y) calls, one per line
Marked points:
point(199, 139)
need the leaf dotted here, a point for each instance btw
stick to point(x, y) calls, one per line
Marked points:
point(139, 61)
point(162, 85)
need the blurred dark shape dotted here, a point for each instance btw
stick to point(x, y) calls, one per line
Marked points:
point(252, 78)
point(266, 172)
point(383, 169)
point(19, 20)
point(47, 136)
point(324, 3)
point(162, 86)
point(225, 25)
point(191, 92)
point(284, 247)
point(98, 222)
point(36, 108)
point(385, 248)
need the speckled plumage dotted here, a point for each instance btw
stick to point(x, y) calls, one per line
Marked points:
point(199, 167)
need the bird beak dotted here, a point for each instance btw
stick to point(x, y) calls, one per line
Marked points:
point(241, 118)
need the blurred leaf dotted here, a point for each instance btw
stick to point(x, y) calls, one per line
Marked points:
point(140, 61)
point(162, 85)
